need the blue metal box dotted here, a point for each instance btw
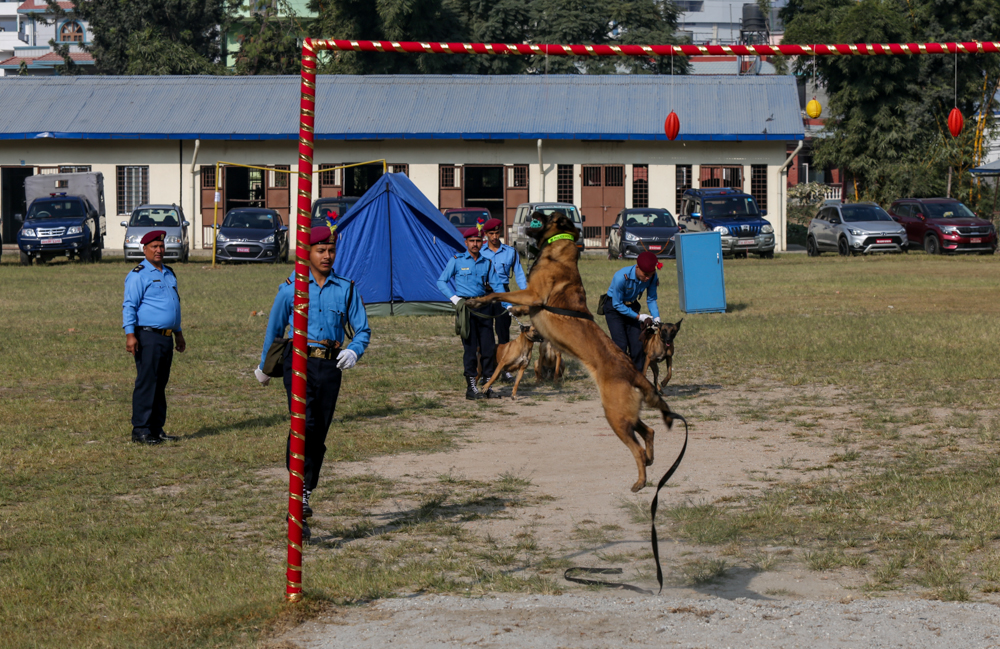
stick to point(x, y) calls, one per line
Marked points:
point(701, 283)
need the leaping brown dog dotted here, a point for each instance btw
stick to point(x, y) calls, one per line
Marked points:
point(515, 356)
point(658, 346)
point(557, 304)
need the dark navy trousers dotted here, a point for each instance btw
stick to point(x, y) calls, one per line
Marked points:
point(503, 321)
point(152, 371)
point(322, 389)
point(480, 338)
point(625, 332)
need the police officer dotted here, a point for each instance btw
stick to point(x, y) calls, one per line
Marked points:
point(473, 276)
point(333, 304)
point(622, 312)
point(151, 317)
point(505, 259)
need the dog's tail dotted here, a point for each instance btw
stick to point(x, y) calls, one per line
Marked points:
point(653, 399)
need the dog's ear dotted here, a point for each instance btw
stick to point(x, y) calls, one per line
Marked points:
point(564, 224)
point(678, 325)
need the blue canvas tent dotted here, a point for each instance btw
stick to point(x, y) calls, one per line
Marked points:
point(394, 244)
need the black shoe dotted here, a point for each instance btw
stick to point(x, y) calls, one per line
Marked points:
point(306, 532)
point(148, 438)
point(507, 378)
point(489, 394)
point(471, 391)
point(307, 511)
point(163, 437)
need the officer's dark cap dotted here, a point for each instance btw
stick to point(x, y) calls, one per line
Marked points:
point(153, 235)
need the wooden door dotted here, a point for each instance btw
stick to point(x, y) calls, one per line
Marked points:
point(450, 187)
point(208, 212)
point(515, 192)
point(331, 181)
point(602, 197)
point(278, 194)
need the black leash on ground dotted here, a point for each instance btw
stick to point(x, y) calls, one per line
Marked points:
point(655, 542)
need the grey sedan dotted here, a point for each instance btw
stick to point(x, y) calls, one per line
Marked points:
point(856, 228)
point(169, 218)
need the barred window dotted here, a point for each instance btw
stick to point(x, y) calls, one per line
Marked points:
point(614, 176)
point(640, 186)
point(449, 177)
point(684, 178)
point(518, 176)
point(564, 183)
point(328, 175)
point(400, 169)
point(133, 187)
point(279, 177)
point(207, 177)
point(758, 185)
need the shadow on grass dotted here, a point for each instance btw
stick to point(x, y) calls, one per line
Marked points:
point(246, 424)
point(733, 307)
point(689, 390)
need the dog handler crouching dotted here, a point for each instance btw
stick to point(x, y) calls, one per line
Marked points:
point(332, 304)
point(623, 317)
point(474, 276)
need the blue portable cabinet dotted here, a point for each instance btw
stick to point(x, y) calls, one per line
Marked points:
point(701, 283)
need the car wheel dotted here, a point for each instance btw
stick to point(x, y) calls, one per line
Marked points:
point(843, 248)
point(25, 259)
point(931, 245)
point(767, 255)
point(811, 248)
point(97, 252)
point(611, 255)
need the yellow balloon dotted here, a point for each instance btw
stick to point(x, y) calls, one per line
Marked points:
point(813, 109)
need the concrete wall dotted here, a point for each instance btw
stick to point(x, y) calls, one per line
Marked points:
point(170, 180)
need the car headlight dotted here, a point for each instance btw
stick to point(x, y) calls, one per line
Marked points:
point(268, 239)
point(133, 238)
point(949, 229)
point(221, 237)
point(766, 229)
point(76, 229)
point(27, 232)
point(630, 237)
point(856, 232)
point(721, 229)
point(172, 239)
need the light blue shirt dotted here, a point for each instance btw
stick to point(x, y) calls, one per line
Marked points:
point(469, 276)
point(626, 288)
point(328, 310)
point(504, 260)
point(151, 299)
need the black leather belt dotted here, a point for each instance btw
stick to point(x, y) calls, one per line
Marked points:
point(162, 332)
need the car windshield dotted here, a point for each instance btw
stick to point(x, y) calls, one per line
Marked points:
point(946, 211)
point(729, 207)
point(468, 218)
point(658, 219)
point(249, 220)
point(58, 209)
point(862, 213)
point(568, 210)
point(155, 217)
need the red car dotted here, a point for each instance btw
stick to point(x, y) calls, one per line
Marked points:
point(464, 218)
point(944, 225)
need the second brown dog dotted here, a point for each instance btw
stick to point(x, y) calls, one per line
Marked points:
point(515, 356)
point(658, 346)
point(549, 364)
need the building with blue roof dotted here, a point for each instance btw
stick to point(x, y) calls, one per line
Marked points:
point(485, 141)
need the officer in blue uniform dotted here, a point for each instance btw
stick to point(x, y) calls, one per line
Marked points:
point(151, 317)
point(333, 304)
point(505, 259)
point(473, 276)
point(622, 308)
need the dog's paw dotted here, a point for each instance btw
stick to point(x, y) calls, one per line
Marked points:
point(638, 486)
point(519, 310)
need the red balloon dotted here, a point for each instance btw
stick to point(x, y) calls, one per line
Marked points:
point(672, 126)
point(955, 122)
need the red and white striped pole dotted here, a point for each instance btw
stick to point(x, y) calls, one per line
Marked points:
point(300, 323)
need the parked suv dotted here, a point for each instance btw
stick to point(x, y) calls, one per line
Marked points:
point(65, 217)
point(516, 236)
point(146, 218)
point(854, 228)
point(944, 225)
point(732, 214)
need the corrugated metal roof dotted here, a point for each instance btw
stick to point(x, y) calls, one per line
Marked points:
point(580, 107)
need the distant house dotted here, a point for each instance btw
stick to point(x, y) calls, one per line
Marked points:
point(35, 26)
point(239, 28)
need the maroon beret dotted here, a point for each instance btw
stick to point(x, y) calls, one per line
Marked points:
point(320, 234)
point(472, 232)
point(492, 224)
point(153, 235)
point(646, 262)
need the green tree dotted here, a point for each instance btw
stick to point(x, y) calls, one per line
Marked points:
point(886, 122)
point(152, 36)
point(271, 42)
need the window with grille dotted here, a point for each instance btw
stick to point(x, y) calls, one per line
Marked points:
point(564, 183)
point(758, 185)
point(591, 176)
point(400, 169)
point(279, 178)
point(71, 32)
point(449, 178)
point(133, 187)
point(684, 180)
point(518, 176)
point(614, 176)
point(208, 177)
point(640, 186)
point(328, 175)
point(74, 169)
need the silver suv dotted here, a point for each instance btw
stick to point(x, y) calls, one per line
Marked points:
point(170, 219)
point(855, 228)
point(516, 236)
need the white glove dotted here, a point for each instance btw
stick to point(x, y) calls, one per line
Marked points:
point(263, 378)
point(454, 299)
point(346, 359)
point(656, 320)
point(643, 317)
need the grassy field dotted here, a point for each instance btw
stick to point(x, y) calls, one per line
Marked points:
point(104, 543)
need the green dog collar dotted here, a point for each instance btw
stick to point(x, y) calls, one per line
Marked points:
point(559, 237)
